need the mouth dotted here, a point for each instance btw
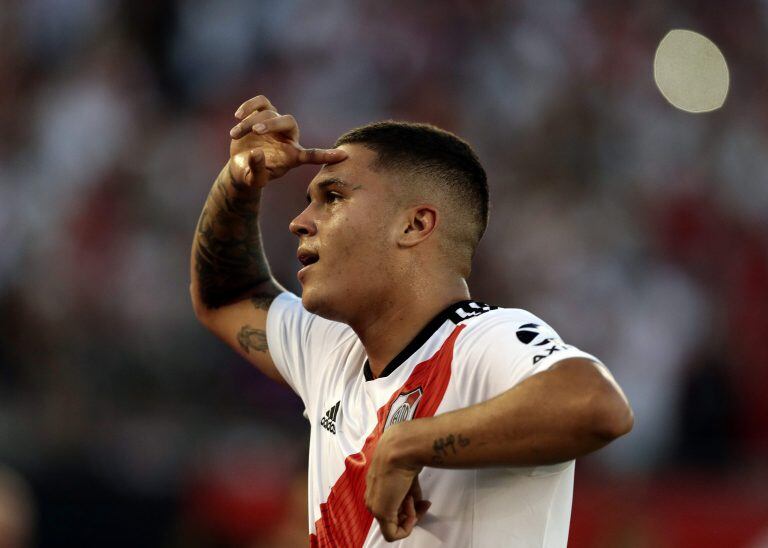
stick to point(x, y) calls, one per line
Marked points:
point(306, 258)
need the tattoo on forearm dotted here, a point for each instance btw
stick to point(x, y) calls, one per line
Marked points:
point(229, 259)
point(448, 446)
point(251, 338)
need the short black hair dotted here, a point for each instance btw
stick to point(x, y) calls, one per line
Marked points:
point(434, 154)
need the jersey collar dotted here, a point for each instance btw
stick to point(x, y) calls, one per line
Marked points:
point(423, 336)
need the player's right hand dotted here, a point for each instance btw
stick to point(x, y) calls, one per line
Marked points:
point(265, 145)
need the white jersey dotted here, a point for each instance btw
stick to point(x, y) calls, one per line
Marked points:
point(469, 353)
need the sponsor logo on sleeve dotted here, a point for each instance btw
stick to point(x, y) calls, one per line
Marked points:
point(532, 335)
point(542, 337)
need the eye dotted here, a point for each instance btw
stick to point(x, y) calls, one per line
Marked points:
point(331, 197)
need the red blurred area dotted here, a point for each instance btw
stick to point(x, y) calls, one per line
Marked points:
point(677, 511)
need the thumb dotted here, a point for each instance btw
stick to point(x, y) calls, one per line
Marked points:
point(321, 155)
point(256, 174)
point(388, 529)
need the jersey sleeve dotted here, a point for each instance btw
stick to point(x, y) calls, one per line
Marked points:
point(501, 349)
point(300, 342)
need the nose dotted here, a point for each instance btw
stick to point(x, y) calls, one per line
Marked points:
point(303, 224)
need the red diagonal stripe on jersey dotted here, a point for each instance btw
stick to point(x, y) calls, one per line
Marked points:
point(344, 519)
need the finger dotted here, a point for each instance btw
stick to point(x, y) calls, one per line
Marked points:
point(257, 103)
point(421, 508)
point(406, 512)
point(257, 175)
point(409, 507)
point(403, 512)
point(244, 128)
point(279, 124)
point(406, 525)
point(415, 489)
point(321, 155)
point(388, 529)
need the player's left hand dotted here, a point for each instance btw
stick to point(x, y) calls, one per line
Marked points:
point(392, 493)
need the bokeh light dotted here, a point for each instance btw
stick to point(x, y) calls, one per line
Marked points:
point(691, 72)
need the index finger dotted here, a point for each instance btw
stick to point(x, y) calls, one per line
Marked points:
point(260, 102)
point(410, 515)
point(321, 155)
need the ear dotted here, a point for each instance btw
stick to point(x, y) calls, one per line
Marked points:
point(420, 222)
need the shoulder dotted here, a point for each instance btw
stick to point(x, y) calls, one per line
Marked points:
point(489, 319)
point(288, 315)
point(505, 329)
point(497, 349)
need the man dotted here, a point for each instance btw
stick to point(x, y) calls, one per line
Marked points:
point(451, 422)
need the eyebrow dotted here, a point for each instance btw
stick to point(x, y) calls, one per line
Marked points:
point(330, 181)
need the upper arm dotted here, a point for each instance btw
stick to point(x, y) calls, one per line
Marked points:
point(503, 348)
point(584, 394)
point(610, 413)
point(278, 335)
point(516, 351)
point(243, 326)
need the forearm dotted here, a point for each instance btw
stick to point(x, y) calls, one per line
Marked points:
point(228, 261)
point(554, 416)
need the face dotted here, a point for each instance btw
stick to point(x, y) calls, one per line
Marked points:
point(349, 226)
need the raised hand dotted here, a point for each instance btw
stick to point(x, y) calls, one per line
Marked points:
point(265, 145)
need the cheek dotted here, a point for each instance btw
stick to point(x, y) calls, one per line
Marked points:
point(351, 253)
point(356, 244)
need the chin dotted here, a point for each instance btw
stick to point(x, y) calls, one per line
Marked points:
point(308, 302)
point(317, 303)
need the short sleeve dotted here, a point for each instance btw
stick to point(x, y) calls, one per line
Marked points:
point(300, 342)
point(502, 348)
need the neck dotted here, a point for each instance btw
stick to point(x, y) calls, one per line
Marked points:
point(392, 324)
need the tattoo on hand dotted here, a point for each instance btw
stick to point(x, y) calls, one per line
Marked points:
point(252, 338)
point(449, 445)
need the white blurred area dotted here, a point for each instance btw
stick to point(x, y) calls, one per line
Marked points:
point(636, 230)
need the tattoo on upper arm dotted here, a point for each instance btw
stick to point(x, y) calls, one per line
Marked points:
point(446, 446)
point(251, 338)
point(229, 259)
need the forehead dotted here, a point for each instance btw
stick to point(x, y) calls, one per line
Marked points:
point(354, 170)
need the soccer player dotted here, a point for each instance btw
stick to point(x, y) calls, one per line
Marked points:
point(436, 420)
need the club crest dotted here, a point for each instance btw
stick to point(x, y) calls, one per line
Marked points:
point(404, 407)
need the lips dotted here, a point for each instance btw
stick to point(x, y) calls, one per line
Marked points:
point(307, 257)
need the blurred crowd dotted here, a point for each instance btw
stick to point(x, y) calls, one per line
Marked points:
point(639, 232)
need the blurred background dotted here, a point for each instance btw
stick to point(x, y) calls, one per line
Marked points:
point(638, 231)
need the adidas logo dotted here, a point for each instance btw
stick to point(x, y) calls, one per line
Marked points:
point(329, 420)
